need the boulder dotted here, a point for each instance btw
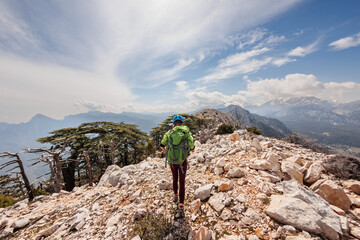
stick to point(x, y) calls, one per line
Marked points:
point(217, 202)
point(20, 223)
point(111, 172)
point(256, 144)
point(273, 159)
point(296, 159)
point(332, 193)
point(305, 210)
point(261, 164)
point(78, 219)
point(203, 192)
point(203, 234)
point(290, 171)
point(272, 178)
point(314, 172)
point(236, 173)
point(227, 215)
point(352, 185)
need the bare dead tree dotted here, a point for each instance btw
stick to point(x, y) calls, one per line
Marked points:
point(53, 159)
point(19, 165)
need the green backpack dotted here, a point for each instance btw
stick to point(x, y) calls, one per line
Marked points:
point(177, 149)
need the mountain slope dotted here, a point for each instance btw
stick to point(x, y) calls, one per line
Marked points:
point(269, 126)
point(329, 122)
point(232, 192)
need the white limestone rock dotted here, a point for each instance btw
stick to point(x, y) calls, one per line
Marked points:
point(203, 192)
point(305, 210)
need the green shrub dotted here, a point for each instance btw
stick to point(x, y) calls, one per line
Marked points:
point(6, 201)
point(152, 226)
point(225, 128)
point(254, 130)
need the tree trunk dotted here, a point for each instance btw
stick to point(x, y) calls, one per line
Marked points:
point(69, 176)
point(87, 159)
point(25, 178)
point(79, 176)
point(58, 180)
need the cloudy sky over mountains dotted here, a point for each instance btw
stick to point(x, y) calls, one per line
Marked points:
point(64, 57)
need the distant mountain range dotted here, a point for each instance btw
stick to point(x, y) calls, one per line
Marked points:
point(329, 122)
point(269, 127)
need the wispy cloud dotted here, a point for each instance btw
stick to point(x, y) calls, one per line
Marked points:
point(101, 50)
point(346, 42)
point(251, 37)
point(303, 51)
point(282, 61)
point(239, 63)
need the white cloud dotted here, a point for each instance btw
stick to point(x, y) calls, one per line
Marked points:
point(347, 42)
point(282, 61)
point(303, 51)
point(162, 76)
point(257, 92)
point(100, 50)
point(182, 85)
point(251, 37)
point(31, 88)
point(239, 63)
point(299, 85)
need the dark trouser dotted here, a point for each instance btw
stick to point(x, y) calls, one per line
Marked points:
point(178, 175)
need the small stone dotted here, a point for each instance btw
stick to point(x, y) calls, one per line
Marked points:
point(220, 163)
point(234, 137)
point(165, 185)
point(195, 206)
point(136, 195)
point(225, 186)
point(218, 170)
point(227, 167)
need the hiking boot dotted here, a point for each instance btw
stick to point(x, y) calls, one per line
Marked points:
point(175, 199)
point(180, 213)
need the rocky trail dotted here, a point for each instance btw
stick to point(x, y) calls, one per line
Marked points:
point(239, 186)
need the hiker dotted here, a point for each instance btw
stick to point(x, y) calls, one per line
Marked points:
point(177, 143)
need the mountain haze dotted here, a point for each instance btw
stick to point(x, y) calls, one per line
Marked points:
point(329, 122)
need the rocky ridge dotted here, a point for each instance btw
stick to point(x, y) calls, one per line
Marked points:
point(239, 186)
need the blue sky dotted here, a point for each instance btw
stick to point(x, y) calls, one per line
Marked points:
point(64, 57)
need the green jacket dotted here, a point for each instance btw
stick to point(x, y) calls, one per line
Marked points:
point(176, 155)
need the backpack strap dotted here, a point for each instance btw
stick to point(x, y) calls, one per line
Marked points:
point(167, 147)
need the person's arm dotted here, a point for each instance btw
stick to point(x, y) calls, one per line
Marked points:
point(163, 142)
point(190, 140)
